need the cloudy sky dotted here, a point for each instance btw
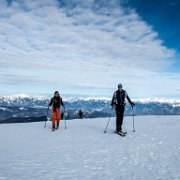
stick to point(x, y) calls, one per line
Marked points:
point(87, 47)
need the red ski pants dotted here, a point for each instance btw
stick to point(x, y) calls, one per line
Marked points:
point(55, 116)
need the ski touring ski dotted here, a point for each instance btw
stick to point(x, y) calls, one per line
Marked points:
point(121, 134)
point(54, 129)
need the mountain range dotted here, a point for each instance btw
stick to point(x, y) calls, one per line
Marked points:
point(19, 106)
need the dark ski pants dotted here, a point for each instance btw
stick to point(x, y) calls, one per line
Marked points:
point(119, 110)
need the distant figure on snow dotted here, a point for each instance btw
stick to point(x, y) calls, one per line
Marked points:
point(80, 114)
point(118, 102)
point(62, 115)
point(56, 102)
point(66, 116)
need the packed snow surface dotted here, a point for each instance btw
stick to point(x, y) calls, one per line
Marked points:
point(83, 151)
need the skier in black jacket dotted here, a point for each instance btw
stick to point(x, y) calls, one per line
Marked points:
point(118, 102)
point(56, 102)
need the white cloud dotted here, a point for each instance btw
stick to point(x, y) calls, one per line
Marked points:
point(87, 45)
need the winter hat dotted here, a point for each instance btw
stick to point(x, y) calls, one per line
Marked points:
point(120, 85)
point(56, 92)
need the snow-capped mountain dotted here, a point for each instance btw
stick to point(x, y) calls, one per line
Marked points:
point(22, 105)
point(24, 100)
point(42, 101)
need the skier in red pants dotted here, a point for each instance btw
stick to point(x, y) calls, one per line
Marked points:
point(56, 103)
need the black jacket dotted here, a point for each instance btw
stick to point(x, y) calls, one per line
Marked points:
point(119, 97)
point(56, 102)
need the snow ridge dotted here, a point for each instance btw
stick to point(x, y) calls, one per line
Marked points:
point(75, 99)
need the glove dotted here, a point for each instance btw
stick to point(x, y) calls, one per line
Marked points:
point(132, 104)
point(113, 106)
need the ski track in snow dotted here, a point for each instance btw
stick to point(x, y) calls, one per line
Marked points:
point(29, 151)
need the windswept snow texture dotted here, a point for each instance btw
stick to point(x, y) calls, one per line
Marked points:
point(83, 151)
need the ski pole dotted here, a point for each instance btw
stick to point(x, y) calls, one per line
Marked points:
point(108, 122)
point(46, 117)
point(65, 119)
point(133, 118)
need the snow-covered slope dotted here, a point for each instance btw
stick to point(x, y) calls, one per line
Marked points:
point(83, 151)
